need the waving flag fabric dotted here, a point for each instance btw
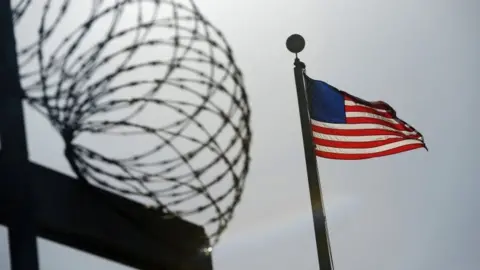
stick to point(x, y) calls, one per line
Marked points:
point(349, 128)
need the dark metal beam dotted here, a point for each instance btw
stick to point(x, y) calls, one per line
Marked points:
point(21, 223)
point(76, 214)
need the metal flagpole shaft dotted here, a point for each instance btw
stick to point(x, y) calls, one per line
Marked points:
point(295, 44)
point(14, 155)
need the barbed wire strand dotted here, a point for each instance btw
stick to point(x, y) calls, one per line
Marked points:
point(61, 88)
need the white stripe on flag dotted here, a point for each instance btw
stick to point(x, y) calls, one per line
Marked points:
point(371, 115)
point(352, 103)
point(366, 150)
point(370, 138)
point(359, 127)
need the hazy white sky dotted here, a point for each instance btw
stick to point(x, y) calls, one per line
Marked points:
point(416, 210)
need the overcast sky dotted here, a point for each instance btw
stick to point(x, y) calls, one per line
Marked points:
point(417, 210)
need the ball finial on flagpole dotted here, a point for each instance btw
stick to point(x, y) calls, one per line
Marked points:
point(295, 43)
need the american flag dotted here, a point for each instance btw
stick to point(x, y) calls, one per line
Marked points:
point(349, 128)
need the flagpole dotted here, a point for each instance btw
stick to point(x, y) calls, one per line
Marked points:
point(295, 44)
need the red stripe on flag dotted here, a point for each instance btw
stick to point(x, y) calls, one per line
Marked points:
point(393, 151)
point(368, 110)
point(374, 104)
point(361, 132)
point(369, 120)
point(356, 145)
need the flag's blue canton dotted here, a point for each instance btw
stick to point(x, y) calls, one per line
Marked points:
point(328, 104)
